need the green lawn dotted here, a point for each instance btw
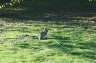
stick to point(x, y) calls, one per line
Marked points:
point(69, 41)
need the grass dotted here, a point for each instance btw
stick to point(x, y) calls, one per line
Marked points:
point(69, 41)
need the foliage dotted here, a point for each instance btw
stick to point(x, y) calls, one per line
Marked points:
point(48, 5)
point(9, 3)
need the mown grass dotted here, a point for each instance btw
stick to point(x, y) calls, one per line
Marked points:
point(70, 41)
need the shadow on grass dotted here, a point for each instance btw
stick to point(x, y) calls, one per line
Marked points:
point(70, 18)
point(26, 14)
point(24, 45)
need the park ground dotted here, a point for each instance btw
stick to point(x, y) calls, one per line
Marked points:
point(71, 37)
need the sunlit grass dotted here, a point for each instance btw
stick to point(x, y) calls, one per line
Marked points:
point(65, 44)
